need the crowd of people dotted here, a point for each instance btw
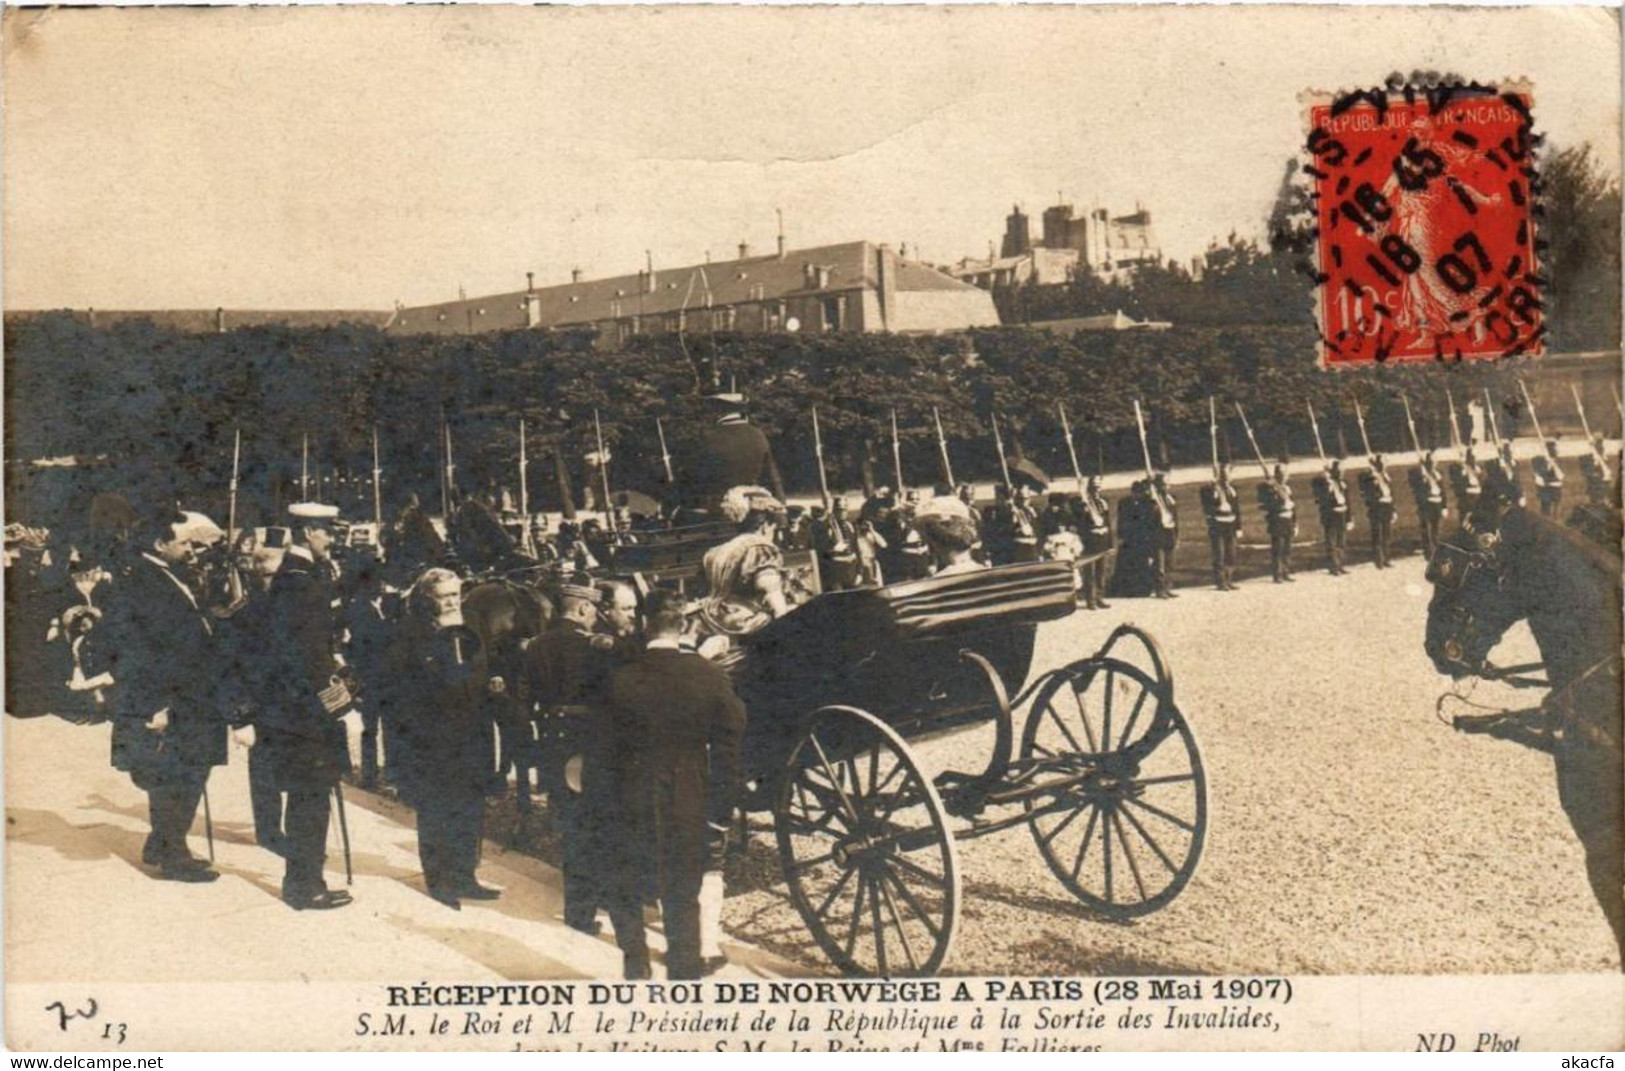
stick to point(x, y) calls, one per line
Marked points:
point(580, 684)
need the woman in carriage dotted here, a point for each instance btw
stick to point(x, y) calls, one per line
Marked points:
point(745, 577)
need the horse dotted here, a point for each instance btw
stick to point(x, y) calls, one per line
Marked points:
point(1506, 564)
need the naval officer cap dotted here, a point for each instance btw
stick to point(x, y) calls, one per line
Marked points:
point(313, 513)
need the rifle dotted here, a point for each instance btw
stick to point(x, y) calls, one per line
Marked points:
point(603, 469)
point(998, 442)
point(377, 489)
point(1315, 424)
point(1416, 442)
point(304, 469)
point(234, 579)
point(818, 451)
point(1359, 418)
point(665, 455)
point(1534, 418)
point(896, 454)
point(451, 469)
point(1213, 434)
point(942, 447)
point(1619, 404)
point(1257, 453)
point(1489, 415)
point(1071, 449)
point(1585, 425)
point(1145, 445)
point(1455, 422)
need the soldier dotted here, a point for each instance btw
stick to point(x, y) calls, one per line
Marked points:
point(835, 540)
point(731, 452)
point(1510, 468)
point(1467, 480)
point(1221, 506)
point(913, 556)
point(1332, 496)
point(1599, 480)
point(795, 534)
point(1548, 480)
point(568, 667)
point(251, 638)
point(309, 747)
point(170, 728)
point(1094, 523)
point(1427, 487)
point(677, 732)
point(1281, 520)
point(1378, 491)
point(1165, 515)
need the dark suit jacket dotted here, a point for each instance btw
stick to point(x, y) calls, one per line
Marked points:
point(678, 730)
point(308, 744)
point(162, 655)
point(729, 455)
point(434, 692)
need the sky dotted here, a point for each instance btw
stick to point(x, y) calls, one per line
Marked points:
point(353, 157)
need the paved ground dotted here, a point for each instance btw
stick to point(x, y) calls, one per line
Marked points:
point(80, 906)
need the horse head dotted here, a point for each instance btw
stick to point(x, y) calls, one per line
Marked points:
point(1473, 605)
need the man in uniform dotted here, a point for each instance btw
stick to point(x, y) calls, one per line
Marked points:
point(1378, 490)
point(170, 728)
point(677, 729)
point(836, 541)
point(731, 452)
point(1281, 520)
point(1094, 521)
point(1548, 480)
point(250, 640)
point(310, 749)
point(1427, 487)
point(1467, 480)
point(1221, 506)
point(1509, 467)
point(1332, 495)
point(568, 667)
point(1166, 536)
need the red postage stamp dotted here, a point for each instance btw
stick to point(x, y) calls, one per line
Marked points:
point(1425, 213)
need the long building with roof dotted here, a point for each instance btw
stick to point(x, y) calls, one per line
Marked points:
point(850, 287)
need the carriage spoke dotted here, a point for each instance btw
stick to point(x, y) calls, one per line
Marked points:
point(1189, 827)
point(919, 871)
point(897, 921)
point(1106, 713)
point(886, 781)
point(880, 928)
point(1170, 779)
point(1133, 865)
point(1049, 838)
point(1055, 714)
point(908, 898)
point(874, 771)
point(803, 865)
point(829, 901)
point(1155, 847)
point(1088, 835)
point(834, 780)
point(1133, 718)
point(857, 917)
point(1083, 716)
point(1106, 842)
point(830, 801)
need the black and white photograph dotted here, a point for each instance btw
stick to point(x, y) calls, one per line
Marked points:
point(812, 528)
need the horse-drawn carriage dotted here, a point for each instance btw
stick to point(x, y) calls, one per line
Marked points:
point(842, 690)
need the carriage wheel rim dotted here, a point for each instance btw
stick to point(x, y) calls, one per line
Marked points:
point(1128, 840)
point(912, 904)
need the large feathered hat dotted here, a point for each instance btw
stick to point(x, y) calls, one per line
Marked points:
point(741, 502)
point(945, 522)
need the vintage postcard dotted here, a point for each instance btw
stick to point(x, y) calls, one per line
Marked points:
point(810, 528)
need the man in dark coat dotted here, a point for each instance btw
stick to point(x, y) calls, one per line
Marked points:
point(308, 744)
point(1548, 472)
point(170, 727)
point(677, 732)
point(567, 669)
point(835, 538)
point(731, 452)
point(249, 653)
point(1165, 527)
point(436, 686)
point(1094, 524)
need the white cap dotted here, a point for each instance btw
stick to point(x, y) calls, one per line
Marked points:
point(197, 528)
point(313, 511)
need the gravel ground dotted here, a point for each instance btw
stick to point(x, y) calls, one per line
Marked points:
point(1350, 832)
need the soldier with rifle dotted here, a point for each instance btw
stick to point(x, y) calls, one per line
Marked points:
point(1427, 487)
point(1280, 519)
point(1546, 467)
point(1377, 488)
point(1332, 496)
point(1467, 481)
point(1221, 506)
point(1094, 525)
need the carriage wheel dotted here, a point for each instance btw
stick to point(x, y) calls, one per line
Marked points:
point(865, 846)
point(1124, 828)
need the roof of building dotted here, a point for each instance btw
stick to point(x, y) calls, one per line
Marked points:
point(207, 321)
point(851, 265)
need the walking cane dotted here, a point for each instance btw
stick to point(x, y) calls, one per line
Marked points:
point(208, 821)
point(344, 835)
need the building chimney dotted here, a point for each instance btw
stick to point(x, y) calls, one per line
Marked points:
point(220, 320)
point(530, 282)
point(744, 250)
point(780, 212)
point(575, 275)
point(648, 272)
point(886, 285)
